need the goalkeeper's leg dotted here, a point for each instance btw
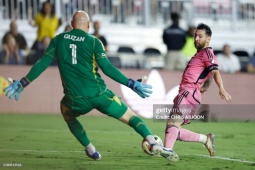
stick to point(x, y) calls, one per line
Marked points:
point(115, 108)
point(120, 111)
point(80, 134)
point(140, 127)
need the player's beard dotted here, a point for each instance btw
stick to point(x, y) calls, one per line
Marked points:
point(200, 46)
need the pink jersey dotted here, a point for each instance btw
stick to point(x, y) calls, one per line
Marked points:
point(199, 68)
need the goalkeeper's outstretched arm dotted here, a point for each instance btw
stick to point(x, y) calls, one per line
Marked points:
point(143, 90)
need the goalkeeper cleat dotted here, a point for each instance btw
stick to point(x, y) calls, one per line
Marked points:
point(96, 156)
point(209, 144)
point(164, 152)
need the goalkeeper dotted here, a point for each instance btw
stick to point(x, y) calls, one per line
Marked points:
point(78, 55)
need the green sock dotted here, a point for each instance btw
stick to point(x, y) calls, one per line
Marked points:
point(78, 131)
point(139, 126)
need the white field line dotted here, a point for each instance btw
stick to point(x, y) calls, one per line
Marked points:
point(223, 158)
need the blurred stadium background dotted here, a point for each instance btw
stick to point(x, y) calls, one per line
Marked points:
point(139, 23)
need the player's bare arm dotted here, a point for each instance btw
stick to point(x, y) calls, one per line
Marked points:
point(206, 85)
point(218, 80)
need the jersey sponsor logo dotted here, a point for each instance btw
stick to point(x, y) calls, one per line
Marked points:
point(103, 54)
point(74, 38)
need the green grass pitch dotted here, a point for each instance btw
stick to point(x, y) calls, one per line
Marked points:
point(29, 141)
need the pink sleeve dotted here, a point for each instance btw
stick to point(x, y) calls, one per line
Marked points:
point(209, 60)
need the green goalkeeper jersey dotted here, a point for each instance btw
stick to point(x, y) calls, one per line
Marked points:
point(78, 55)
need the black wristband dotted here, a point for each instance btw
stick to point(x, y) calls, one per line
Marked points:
point(131, 83)
point(24, 82)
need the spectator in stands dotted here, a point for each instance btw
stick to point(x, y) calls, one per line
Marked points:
point(189, 49)
point(68, 28)
point(11, 54)
point(20, 39)
point(251, 64)
point(32, 59)
point(46, 22)
point(97, 34)
point(174, 37)
point(228, 62)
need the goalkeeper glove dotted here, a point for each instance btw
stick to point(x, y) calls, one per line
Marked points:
point(16, 88)
point(141, 89)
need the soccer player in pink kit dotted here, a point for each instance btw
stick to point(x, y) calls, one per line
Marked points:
point(195, 80)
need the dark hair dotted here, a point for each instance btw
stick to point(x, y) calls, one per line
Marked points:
point(174, 16)
point(52, 8)
point(205, 27)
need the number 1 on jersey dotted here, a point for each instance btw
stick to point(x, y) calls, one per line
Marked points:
point(74, 59)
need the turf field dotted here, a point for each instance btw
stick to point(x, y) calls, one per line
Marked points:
point(44, 142)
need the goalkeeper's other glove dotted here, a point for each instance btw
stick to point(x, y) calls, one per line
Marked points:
point(16, 88)
point(143, 90)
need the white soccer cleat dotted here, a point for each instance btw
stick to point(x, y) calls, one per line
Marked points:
point(166, 153)
point(209, 144)
point(96, 156)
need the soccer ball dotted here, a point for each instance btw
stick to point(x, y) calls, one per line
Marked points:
point(146, 145)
